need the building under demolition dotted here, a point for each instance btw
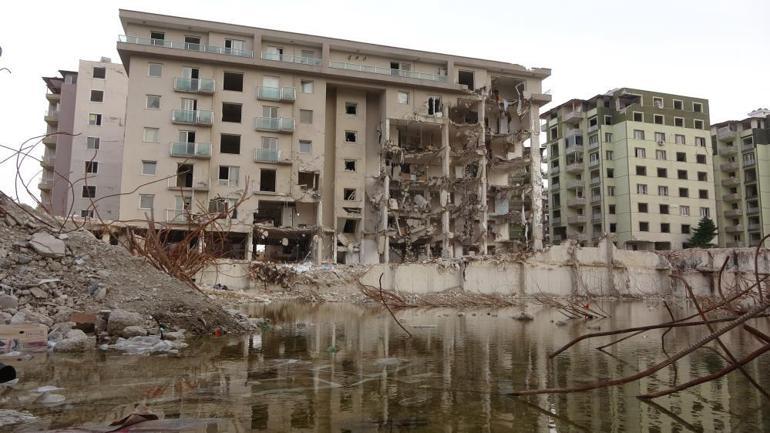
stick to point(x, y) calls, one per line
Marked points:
point(330, 150)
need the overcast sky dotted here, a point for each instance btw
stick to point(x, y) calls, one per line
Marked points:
point(715, 49)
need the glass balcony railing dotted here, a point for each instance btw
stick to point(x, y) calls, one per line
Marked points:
point(267, 155)
point(302, 60)
point(185, 46)
point(192, 117)
point(194, 85)
point(387, 71)
point(287, 94)
point(191, 150)
point(277, 124)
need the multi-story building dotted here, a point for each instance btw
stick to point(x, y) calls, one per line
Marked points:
point(339, 150)
point(741, 159)
point(630, 164)
point(84, 141)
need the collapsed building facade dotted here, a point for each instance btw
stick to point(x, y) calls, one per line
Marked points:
point(332, 150)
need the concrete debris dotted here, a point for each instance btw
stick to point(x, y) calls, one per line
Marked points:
point(145, 345)
point(121, 319)
point(46, 245)
point(74, 340)
point(11, 417)
point(133, 331)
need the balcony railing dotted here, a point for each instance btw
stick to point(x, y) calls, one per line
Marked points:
point(749, 162)
point(274, 124)
point(576, 202)
point(177, 45)
point(728, 166)
point(593, 163)
point(387, 71)
point(554, 170)
point(47, 161)
point(191, 150)
point(51, 116)
point(726, 133)
point(574, 184)
point(573, 116)
point(734, 196)
point(180, 216)
point(46, 183)
point(734, 228)
point(751, 210)
point(731, 181)
point(50, 140)
point(754, 227)
point(732, 213)
point(575, 167)
point(728, 150)
point(285, 94)
point(302, 60)
point(578, 219)
point(180, 182)
point(194, 85)
point(267, 155)
point(192, 117)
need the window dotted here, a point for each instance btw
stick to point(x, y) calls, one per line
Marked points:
point(92, 142)
point(608, 121)
point(662, 172)
point(684, 210)
point(660, 155)
point(701, 159)
point(660, 137)
point(703, 176)
point(466, 78)
point(92, 167)
point(350, 226)
point(679, 121)
point(611, 209)
point(351, 108)
point(307, 86)
point(350, 136)
point(95, 119)
point(608, 137)
point(153, 102)
point(642, 207)
point(434, 105)
point(149, 167)
point(610, 173)
point(87, 213)
point(613, 227)
point(684, 192)
point(233, 81)
point(267, 180)
point(700, 141)
point(678, 105)
point(681, 174)
point(151, 135)
point(154, 70)
point(228, 175)
point(638, 117)
point(641, 170)
point(685, 229)
point(349, 194)
point(640, 152)
point(306, 116)
point(593, 121)
point(305, 146)
point(157, 38)
point(638, 134)
point(234, 46)
point(146, 201)
point(403, 97)
point(608, 155)
point(665, 228)
point(697, 107)
point(350, 165)
point(97, 96)
point(664, 209)
point(610, 191)
point(662, 190)
point(658, 119)
point(231, 112)
point(89, 191)
point(679, 139)
point(698, 124)
point(99, 72)
point(703, 193)
point(705, 212)
point(554, 132)
point(681, 157)
point(641, 188)
point(657, 102)
point(230, 143)
point(270, 146)
point(644, 226)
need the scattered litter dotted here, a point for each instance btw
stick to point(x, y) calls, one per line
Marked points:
point(12, 417)
point(145, 345)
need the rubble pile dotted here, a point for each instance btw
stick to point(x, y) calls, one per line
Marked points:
point(65, 279)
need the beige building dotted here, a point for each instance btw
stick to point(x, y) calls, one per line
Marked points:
point(630, 164)
point(84, 141)
point(345, 151)
point(741, 164)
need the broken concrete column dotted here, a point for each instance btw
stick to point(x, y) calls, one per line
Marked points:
point(385, 204)
point(444, 199)
point(249, 244)
point(483, 174)
point(536, 178)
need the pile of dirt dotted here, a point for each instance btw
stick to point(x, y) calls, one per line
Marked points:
point(48, 272)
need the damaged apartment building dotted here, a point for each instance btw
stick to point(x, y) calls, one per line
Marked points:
point(332, 150)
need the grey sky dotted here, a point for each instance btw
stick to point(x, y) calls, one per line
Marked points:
point(707, 48)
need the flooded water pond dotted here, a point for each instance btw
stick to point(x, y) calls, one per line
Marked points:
point(344, 369)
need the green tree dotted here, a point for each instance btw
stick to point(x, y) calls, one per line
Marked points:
point(704, 233)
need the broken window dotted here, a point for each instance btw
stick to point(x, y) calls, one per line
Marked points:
point(349, 194)
point(351, 108)
point(434, 105)
point(349, 226)
point(403, 97)
point(638, 117)
point(305, 146)
point(228, 175)
point(92, 167)
point(466, 78)
point(307, 180)
point(97, 96)
point(231, 112)
point(99, 72)
point(89, 191)
point(92, 142)
point(698, 124)
point(95, 119)
point(350, 165)
point(157, 38)
point(697, 107)
point(267, 180)
point(350, 136)
point(230, 143)
point(658, 119)
point(233, 81)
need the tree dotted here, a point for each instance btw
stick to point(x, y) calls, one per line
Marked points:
point(704, 233)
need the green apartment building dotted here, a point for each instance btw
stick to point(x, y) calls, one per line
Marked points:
point(630, 164)
point(742, 179)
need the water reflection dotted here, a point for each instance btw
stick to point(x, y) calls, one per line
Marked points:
point(343, 368)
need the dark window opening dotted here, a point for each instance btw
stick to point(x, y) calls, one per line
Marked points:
point(466, 77)
point(665, 228)
point(97, 96)
point(233, 81)
point(231, 112)
point(644, 226)
point(349, 226)
point(349, 193)
point(681, 157)
point(307, 180)
point(351, 108)
point(267, 180)
point(350, 136)
point(184, 175)
point(681, 174)
point(664, 209)
point(100, 72)
point(350, 165)
point(89, 191)
point(230, 143)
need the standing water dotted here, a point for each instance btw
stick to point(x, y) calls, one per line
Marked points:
point(343, 368)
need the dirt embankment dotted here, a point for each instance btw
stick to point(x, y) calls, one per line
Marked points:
point(48, 272)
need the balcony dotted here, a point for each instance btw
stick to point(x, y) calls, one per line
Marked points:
point(53, 97)
point(573, 116)
point(728, 166)
point(728, 150)
point(596, 218)
point(731, 197)
point(749, 163)
point(46, 183)
point(593, 145)
point(302, 60)
point(596, 198)
point(575, 167)
point(182, 183)
point(191, 150)
point(194, 85)
point(269, 155)
point(576, 202)
point(726, 133)
point(593, 163)
point(731, 181)
point(388, 71)
point(732, 244)
point(274, 124)
point(50, 140)
point(754, 227)
point(185, 46)
point(553, 170)
point(747, 146)
point(738, 228)
point(732, 213)
point(180, 216)
point(574, 148)
point(47, 161)
point(192, 117)
point(577, 219)
point(555, 221)
point(751, 210)
point(596, 180)
point(575, 184)
point(52, 116)
point(277, 94)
